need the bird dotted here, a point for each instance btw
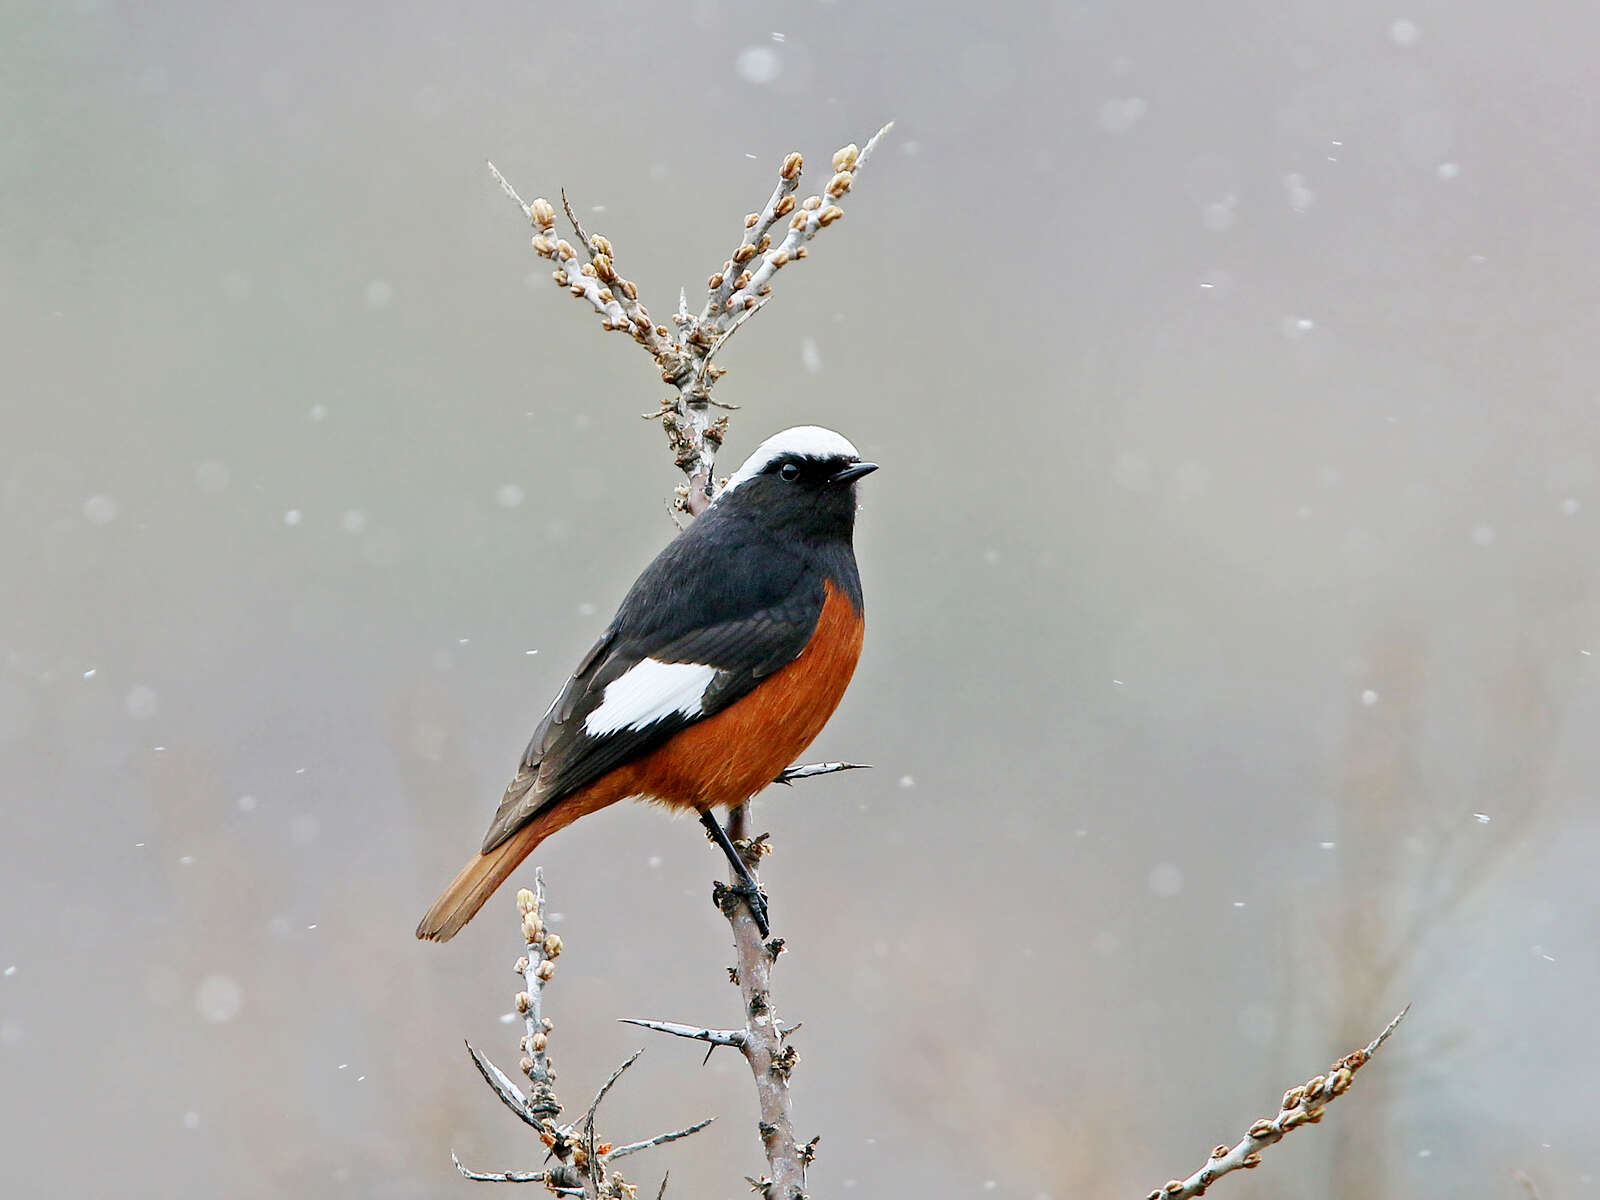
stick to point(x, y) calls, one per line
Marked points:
point(724, 661)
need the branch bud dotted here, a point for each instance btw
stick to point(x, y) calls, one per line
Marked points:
point(791, 167)
point(523, 1002)
point(552, 945)
point(829, 215)
point(744, 254)
point(543, 213)
point(525, 901)
point(840, 183)
point(546, 969)
point(844, 158)
point(600, 244)
point(811, 203)
point(714, 282)
point(750, 220)
point(783, 207)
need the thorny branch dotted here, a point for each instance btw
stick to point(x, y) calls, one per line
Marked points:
point(763, 1040)
point(582, 1164)
point(807, 770)
point(1302, 1105)
point(766, 1046)
point(734, 293)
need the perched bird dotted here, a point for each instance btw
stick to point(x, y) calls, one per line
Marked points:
point(727, 657)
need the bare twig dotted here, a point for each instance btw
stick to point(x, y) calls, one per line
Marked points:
point(497, 1176)
point(808, 770)
point(733, 295)
point(717, 1037)
point(1302, 1105)
point(661, 1139)
point(510, 1095)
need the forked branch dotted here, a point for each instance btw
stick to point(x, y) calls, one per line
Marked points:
point(734, 293)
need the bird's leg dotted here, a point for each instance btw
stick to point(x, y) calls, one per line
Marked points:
point(748, 888)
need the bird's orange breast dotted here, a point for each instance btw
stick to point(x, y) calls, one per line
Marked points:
point(727, 758)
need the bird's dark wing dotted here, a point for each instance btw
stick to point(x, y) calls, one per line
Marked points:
point(630, 695)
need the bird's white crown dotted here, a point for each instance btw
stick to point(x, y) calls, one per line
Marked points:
point(803, 441)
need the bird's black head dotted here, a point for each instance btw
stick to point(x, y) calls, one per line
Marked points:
point(801, 481)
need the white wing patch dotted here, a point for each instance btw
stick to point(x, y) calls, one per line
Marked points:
point(803, 441)
point(648, 692)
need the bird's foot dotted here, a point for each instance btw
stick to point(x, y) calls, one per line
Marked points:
point(747, 889)
point(729, 896)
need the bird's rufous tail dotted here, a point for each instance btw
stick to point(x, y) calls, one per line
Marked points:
point(485, 872)
point(478, 880)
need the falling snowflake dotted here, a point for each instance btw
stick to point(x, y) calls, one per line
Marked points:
point(100, 510)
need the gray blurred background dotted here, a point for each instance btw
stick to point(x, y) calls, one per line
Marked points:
point(1231, 586)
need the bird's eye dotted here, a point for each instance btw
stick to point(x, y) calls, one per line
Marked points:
point(789, 472)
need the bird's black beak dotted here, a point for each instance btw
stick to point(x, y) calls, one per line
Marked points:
point(852, 473)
